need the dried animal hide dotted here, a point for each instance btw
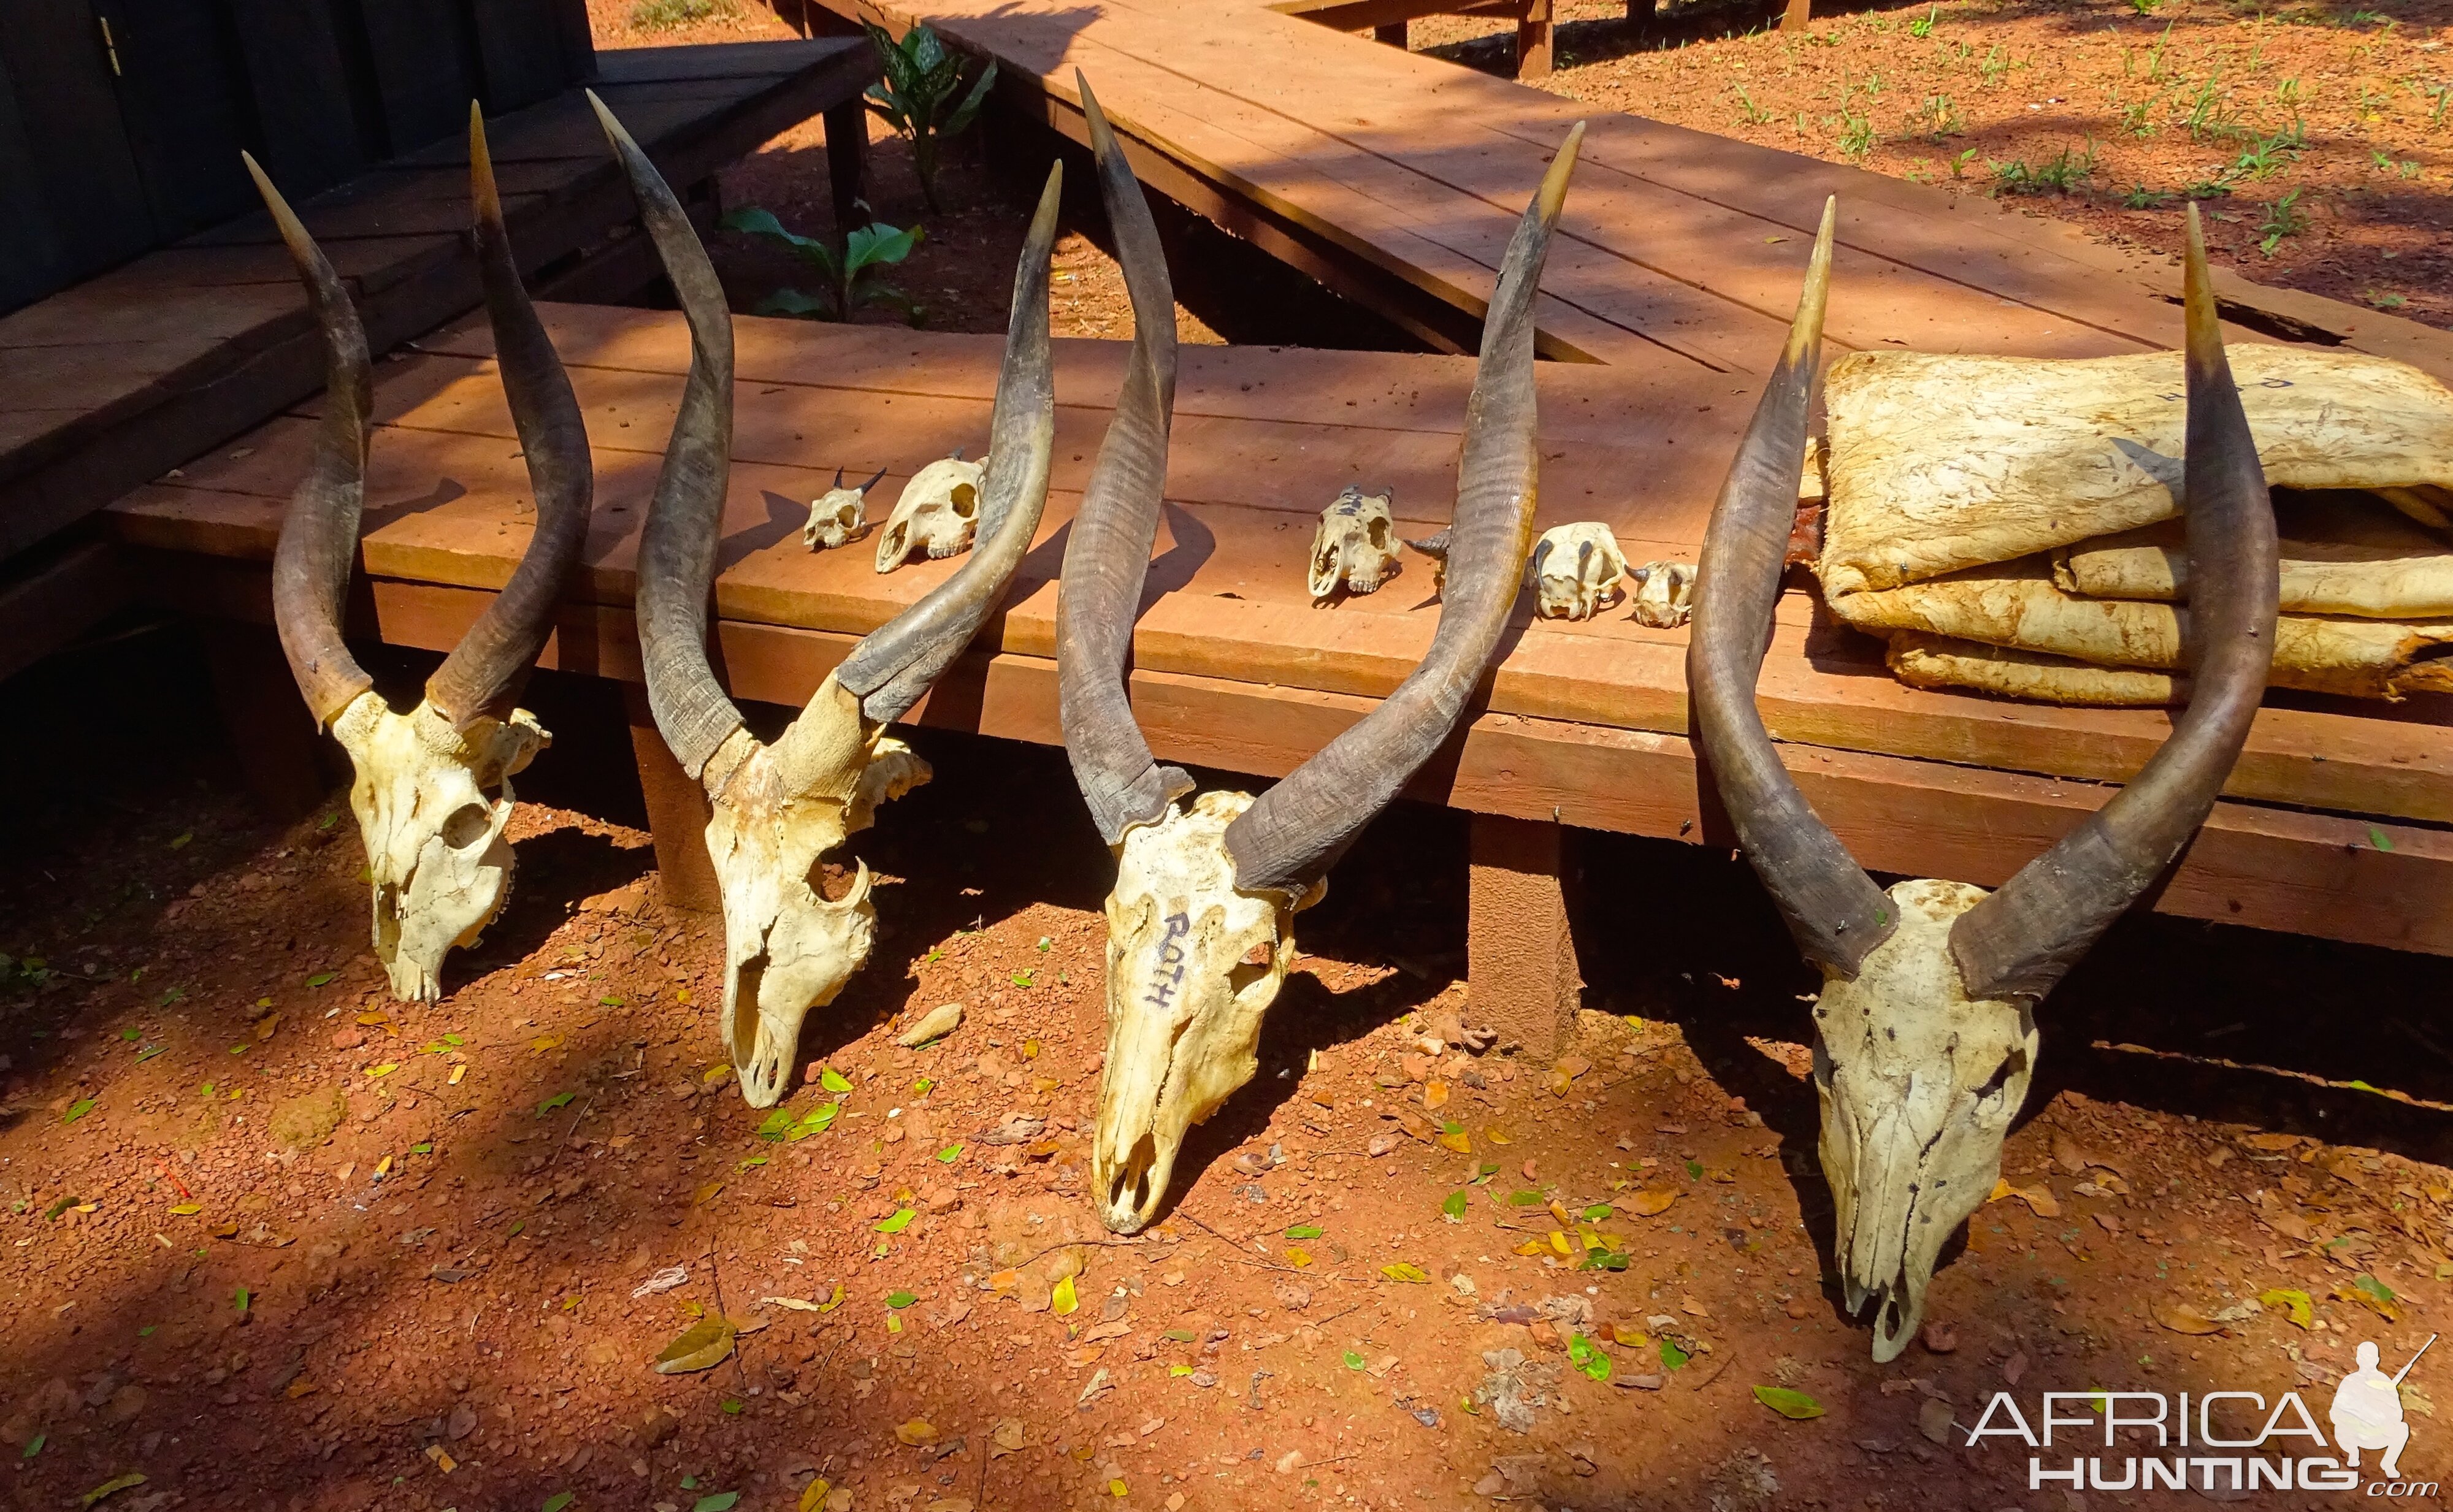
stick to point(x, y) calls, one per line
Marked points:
point(2342, 553)
point(2018, 605)
point(1936, 464)
point(1939, 662)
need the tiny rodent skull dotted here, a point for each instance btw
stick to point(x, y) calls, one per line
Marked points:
point(1664, 593)
point(937, 515)
point(1356, 546)
point(839, 516)
point(1574, 571)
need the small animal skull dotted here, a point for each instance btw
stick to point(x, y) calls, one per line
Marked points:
point(1192, 964)
point(1356, 545)
point(1917, 1086)
point(839, 516)
point(435, 850)
point(937, 513)
point(1664, 593)
point(1575, 570)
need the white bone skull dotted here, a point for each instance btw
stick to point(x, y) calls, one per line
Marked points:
point(1356, 546)
point(1665, 594)
point(1574, 570)
point(1192, 965)
point(837, 517)
point(1917, 1086)
point(435, 851)
point(937, 513)
point(787, 948)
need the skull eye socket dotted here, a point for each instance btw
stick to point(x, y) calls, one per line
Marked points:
point(1378, 533)
point(965, 499)
point(1998, 1084)
point(468, 825)
point(847, 515)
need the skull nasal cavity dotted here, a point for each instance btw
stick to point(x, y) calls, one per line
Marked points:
point(467, 826)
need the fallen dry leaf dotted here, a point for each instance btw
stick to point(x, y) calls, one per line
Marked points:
point(916, 1433)
point(704, 1344)
point(1646, 1201)
point(2039, 1198)
point(2185, 1320)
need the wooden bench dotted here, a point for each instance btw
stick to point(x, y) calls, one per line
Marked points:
point(126, 376)
point(1385, 20)
point(2335, 824)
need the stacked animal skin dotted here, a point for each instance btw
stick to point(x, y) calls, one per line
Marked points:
point(2011, 526)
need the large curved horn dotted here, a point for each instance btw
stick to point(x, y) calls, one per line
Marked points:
point(1108, 557)
point(483, 676)
point(892, 667)
point(1295, 832)
point(1833, 908)
point(2023, 938)
point(677, 546)
point(319, 532)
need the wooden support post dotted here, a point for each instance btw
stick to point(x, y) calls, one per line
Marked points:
point(847, 163)
point(1640, 13)
point(1520, 960)
point(677, 813)
point(1393, 34)
point(1794, 18)
point(280, 751)
point(1533, 40)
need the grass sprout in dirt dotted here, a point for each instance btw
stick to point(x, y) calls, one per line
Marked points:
point(2315, 136)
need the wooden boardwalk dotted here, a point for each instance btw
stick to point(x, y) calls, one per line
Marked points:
point(118, 380)
point(1395, 179)
point(2333, 826)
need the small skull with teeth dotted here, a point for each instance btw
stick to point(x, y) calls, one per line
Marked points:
point(1664, 593)
point(1574, 571)
point(937, 515)
point(1356, 546)
point(839, 516)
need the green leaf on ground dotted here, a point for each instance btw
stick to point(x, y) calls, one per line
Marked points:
point(1671, 1356)
point(77, 1109)
point(1353, 1361)
point(833, 1080)
point(1304, 1231)
point(320, 979)
point(950, 1154)
point(900, 1299)
point(1796, 1405)
point(901, 1221)
point(1587, 1356)
point(1454, 1206)
point(558, 1100)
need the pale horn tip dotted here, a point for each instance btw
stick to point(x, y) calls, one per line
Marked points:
point(1806, 331)
point(1553, 193)
point(482, 191)
point(2201, 321)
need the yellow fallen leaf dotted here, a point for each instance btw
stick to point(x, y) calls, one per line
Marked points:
point(1628, 1338)
point(2039, 1198)
point(546, 1041)
point(1558, 1214)
point(706, 1194)
point(1496, 1138)
point(459, 1071)
point(1649, 1201)
point(1064, 1299)
point(186, 1209)
point(1435, 1094)
point(382, 1168)
point(1455, 1140)
point(813, 1495)
point(1298, 1257)
point(1531, 1247)
point(917, 1433)
point(441, 1458)
point(112, 1486)
point(2294, 1304)
point(376, 1021)
point(1116, 1487)
point(300, 1387)
point(1558, 1243)
point(704, 1344)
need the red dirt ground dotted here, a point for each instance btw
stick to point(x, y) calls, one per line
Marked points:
point(215, 1284)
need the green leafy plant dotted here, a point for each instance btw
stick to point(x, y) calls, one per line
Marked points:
point(853, 282)
point(1939, 117)
point(1749, 113)
point(2142, 198)
point(2145, 7)
point(1922, 25)
point(2065, 172)
point(918, 95)
point(2135, 119)
point(666, 15)
point(1959, 164)
point(2385, 301)
point(2283, 218)
point(1856, 138)
point(2206, 111)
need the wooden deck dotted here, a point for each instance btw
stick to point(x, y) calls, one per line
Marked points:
point(120, 379)
point(2335, 826)
point(1395, 178)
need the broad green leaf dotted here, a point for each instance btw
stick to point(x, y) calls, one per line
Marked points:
point(1304, 1231)
point(901, 1221)
point(900, 1299)
point(1694, 1170)
point(1587, 1356)
point(1064, 1299)
point(794, 303)
point(1671, 1356)
point(1525, 1198)
point(1405, 1270)
point(558, 1100)
point(1454, 1206)
point(775, 1124)
point(721, 1501)
point(971, 103)
point(34, 1446)
point(1792, 1404)
point(111, 1487)
point(78, 1109)
point(1598, 1213)
point(2373, 1288)
point(833, 1080)
point(319, 978)
point(1353, 1361)
point(950, 1154)
point(557, 1501)
point(877, 245)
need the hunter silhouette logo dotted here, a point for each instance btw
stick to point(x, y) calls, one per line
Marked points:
point(2367, 1411)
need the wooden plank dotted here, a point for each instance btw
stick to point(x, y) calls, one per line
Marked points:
point(423, 59)
point(518, 52)
point(32, 260)
point(1261, 440)
point(47, 598)
point(299, 80)
point(2268, 868)
point(181, 90)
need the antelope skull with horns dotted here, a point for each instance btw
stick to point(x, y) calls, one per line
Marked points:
point(1200, 923)
point(1926, 1031)
point(778, 809)
point(431, 787)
